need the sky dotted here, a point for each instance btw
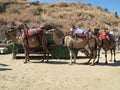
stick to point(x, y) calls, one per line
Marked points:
point(111, 5)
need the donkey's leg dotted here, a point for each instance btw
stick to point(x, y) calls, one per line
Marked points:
point(111, 55)
point(44, 55)
point(90, 57)
point(47, 52)
point(25, 51)
point(44, 43)
point(114, 55)
point(99, 48)
point(25, 57)
point(28, 53)
point(94, 55)
point(106, 57)
point(89, 60)
point(93, 62)
point(73, 54)
point(88, 54)
point(70, 53)
point(48, 57)
point(94, 52)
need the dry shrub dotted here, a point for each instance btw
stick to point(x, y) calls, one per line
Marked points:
point(14, 10)
point(60, 15)
point(3, 22)
point(63, 4)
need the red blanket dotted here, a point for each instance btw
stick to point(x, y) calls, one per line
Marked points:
point(33, 32)
point(80, 35)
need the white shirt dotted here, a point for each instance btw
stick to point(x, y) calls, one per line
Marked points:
point(112, 33)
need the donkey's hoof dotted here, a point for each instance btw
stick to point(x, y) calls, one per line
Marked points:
point(42, 61)
point(70, 63)
point(25, 62)
point(47, 61)
point(97, 62)
point(106, 63)
point(28, 60)
point(92, 64)
point(74, 62)
point(86, 63)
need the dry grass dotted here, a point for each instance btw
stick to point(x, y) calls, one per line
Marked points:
point(60, 14)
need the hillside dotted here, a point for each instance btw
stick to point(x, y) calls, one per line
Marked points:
point(60, 15)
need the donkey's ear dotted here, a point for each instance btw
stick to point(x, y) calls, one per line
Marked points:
point(26, 26)
point(53, 30)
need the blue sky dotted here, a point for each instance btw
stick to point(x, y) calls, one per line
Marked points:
point(111, 5)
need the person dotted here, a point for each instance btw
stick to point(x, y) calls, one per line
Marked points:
point(112, 34)
point(118, 42)
point(72, 30)
point(103, 35)
point(89, 33)
point(41, 29)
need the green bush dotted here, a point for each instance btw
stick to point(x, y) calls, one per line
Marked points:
point(14, 10)
point(2, 7)
point(98, 7)
point(37, 11)
point(35, 3)
point(105, 9)
point(2, 21)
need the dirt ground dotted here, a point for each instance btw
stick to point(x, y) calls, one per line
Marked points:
point(58, 74)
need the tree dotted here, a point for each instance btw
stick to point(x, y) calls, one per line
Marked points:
point(105, 9)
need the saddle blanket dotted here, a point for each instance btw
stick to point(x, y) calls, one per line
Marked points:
point(80, 35)
point(80, 31)
point(33, 32)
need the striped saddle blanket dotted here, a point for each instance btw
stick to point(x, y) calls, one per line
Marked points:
point(80, 33)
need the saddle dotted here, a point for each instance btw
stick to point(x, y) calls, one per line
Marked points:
point(79, 35)
point(111, 37)
point(33, 32)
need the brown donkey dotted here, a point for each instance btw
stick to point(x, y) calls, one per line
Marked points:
point(105, 45)
point(81, 43)
point(31, 38)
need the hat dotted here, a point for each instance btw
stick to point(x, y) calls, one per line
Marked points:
point(73, 26)
point(42, 27)
point(105, 28)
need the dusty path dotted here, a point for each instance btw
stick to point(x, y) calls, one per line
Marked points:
point(58, 75)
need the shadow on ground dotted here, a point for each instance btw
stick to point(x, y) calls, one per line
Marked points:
point(117, 63)
point(33, 58)
point(5, 69)
point(3, 64)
